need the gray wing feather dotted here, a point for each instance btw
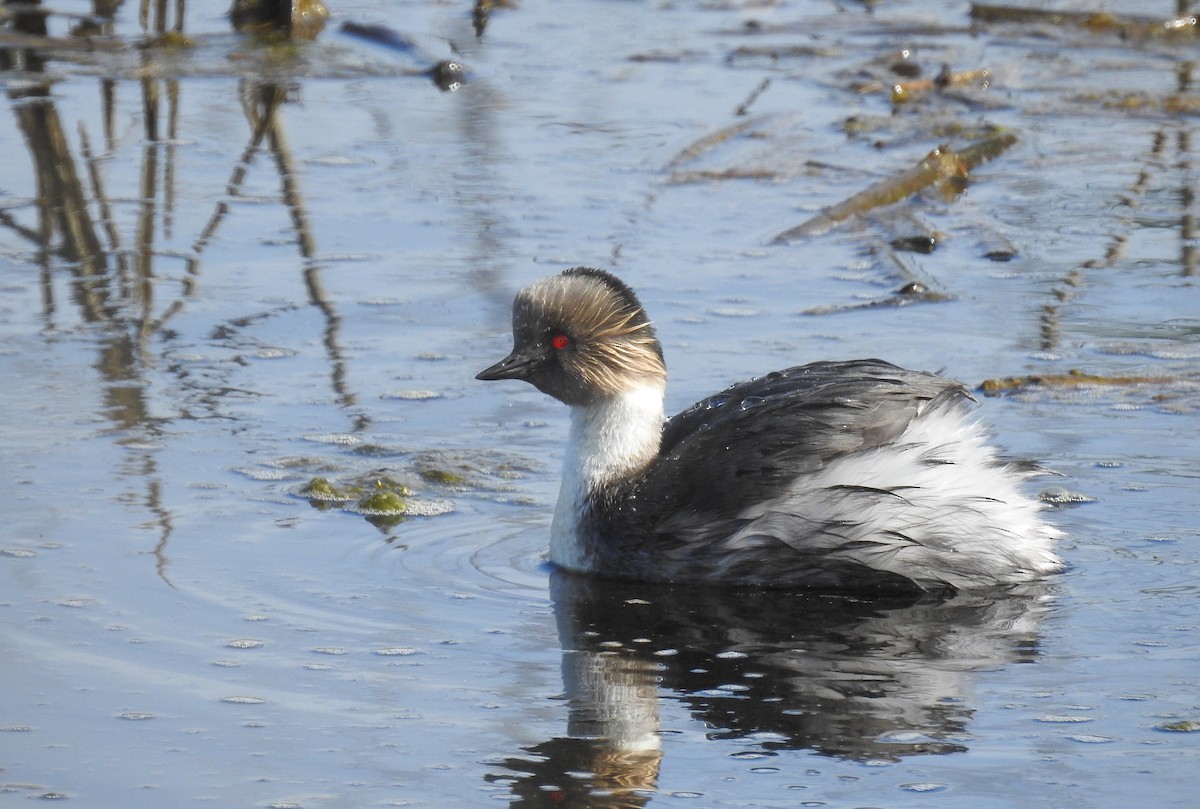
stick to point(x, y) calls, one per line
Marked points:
point(747, 443)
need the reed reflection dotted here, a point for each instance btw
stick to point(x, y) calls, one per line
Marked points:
point(124, 276)
point(857, 679)
point(1169, 154)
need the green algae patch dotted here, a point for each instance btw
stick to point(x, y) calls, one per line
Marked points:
point(323, 490)
point(384, 502)
point(1182, 726)
point(381, 500)
point(443, 477)
point(387, 496)
point(455, 470)
point(384, 508)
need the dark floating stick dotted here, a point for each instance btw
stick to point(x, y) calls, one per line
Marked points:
point(910, 293)
point(447, 74)
point(380, 35)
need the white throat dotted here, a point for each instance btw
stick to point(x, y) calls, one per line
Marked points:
point(609, 440)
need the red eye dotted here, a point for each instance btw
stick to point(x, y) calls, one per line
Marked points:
point(560, 341)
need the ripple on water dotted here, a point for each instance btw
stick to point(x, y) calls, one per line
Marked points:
point(340, 439)
point(414, 395)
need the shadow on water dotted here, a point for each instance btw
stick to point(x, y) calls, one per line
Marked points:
point(862, 680)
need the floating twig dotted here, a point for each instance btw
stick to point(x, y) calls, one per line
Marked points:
point(910, 293)
point(941, 167)
point(1094, 21)
point(1073, 378)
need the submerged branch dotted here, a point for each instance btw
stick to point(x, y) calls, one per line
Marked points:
point(712, 140)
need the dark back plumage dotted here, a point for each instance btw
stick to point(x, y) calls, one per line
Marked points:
point(748, 445)
point(802, 417)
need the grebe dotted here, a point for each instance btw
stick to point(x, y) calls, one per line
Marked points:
point(855, 475)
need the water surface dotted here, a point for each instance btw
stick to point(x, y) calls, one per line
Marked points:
point(269, 265)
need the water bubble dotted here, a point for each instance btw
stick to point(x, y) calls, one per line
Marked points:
point(1088, 739)
point(925, 787)
point(734, 311)
point(341, 439)
point(414, 395)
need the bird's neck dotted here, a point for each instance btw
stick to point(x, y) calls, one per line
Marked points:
point(615, 437)
point(611, 440)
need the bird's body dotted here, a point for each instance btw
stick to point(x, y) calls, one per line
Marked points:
point(854, 475)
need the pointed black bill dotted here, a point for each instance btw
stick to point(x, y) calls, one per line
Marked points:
point(514, 366)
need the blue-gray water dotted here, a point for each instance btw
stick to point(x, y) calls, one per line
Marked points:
point(179, 627)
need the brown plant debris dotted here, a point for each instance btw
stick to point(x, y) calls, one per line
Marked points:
point(943, 168)
point(1100, 22)
point(1071, 379)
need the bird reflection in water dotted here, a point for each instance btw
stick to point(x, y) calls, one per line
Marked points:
point(854, 678)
